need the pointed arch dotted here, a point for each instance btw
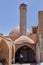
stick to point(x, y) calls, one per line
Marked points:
point(23, 39)
point(6, 50)
point(28, 54)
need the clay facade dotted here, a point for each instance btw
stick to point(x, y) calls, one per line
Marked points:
point(21, 39)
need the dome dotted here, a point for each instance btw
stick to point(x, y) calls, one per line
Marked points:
point(16, 32)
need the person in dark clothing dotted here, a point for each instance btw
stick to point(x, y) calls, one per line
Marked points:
point(21, 58)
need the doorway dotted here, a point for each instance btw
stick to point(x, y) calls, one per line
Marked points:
point(27, 53)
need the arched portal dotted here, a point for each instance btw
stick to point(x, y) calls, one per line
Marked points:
point(5, 52)
point(27, 53)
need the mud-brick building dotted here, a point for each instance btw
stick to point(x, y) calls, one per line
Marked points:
point(21, 41)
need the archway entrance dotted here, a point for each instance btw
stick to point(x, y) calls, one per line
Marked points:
point(27, 53)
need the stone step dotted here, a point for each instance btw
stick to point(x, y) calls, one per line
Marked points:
point(23, 64)
point(29, 64)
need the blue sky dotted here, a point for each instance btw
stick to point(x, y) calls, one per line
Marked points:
point(10, 15)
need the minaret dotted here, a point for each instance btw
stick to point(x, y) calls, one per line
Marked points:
point(23, 19)
point(39, 45)
point(40, 31)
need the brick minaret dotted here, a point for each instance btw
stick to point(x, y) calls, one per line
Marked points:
point(39, 45)
point(41, 34)
point(40, 22)
point(23, 19)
